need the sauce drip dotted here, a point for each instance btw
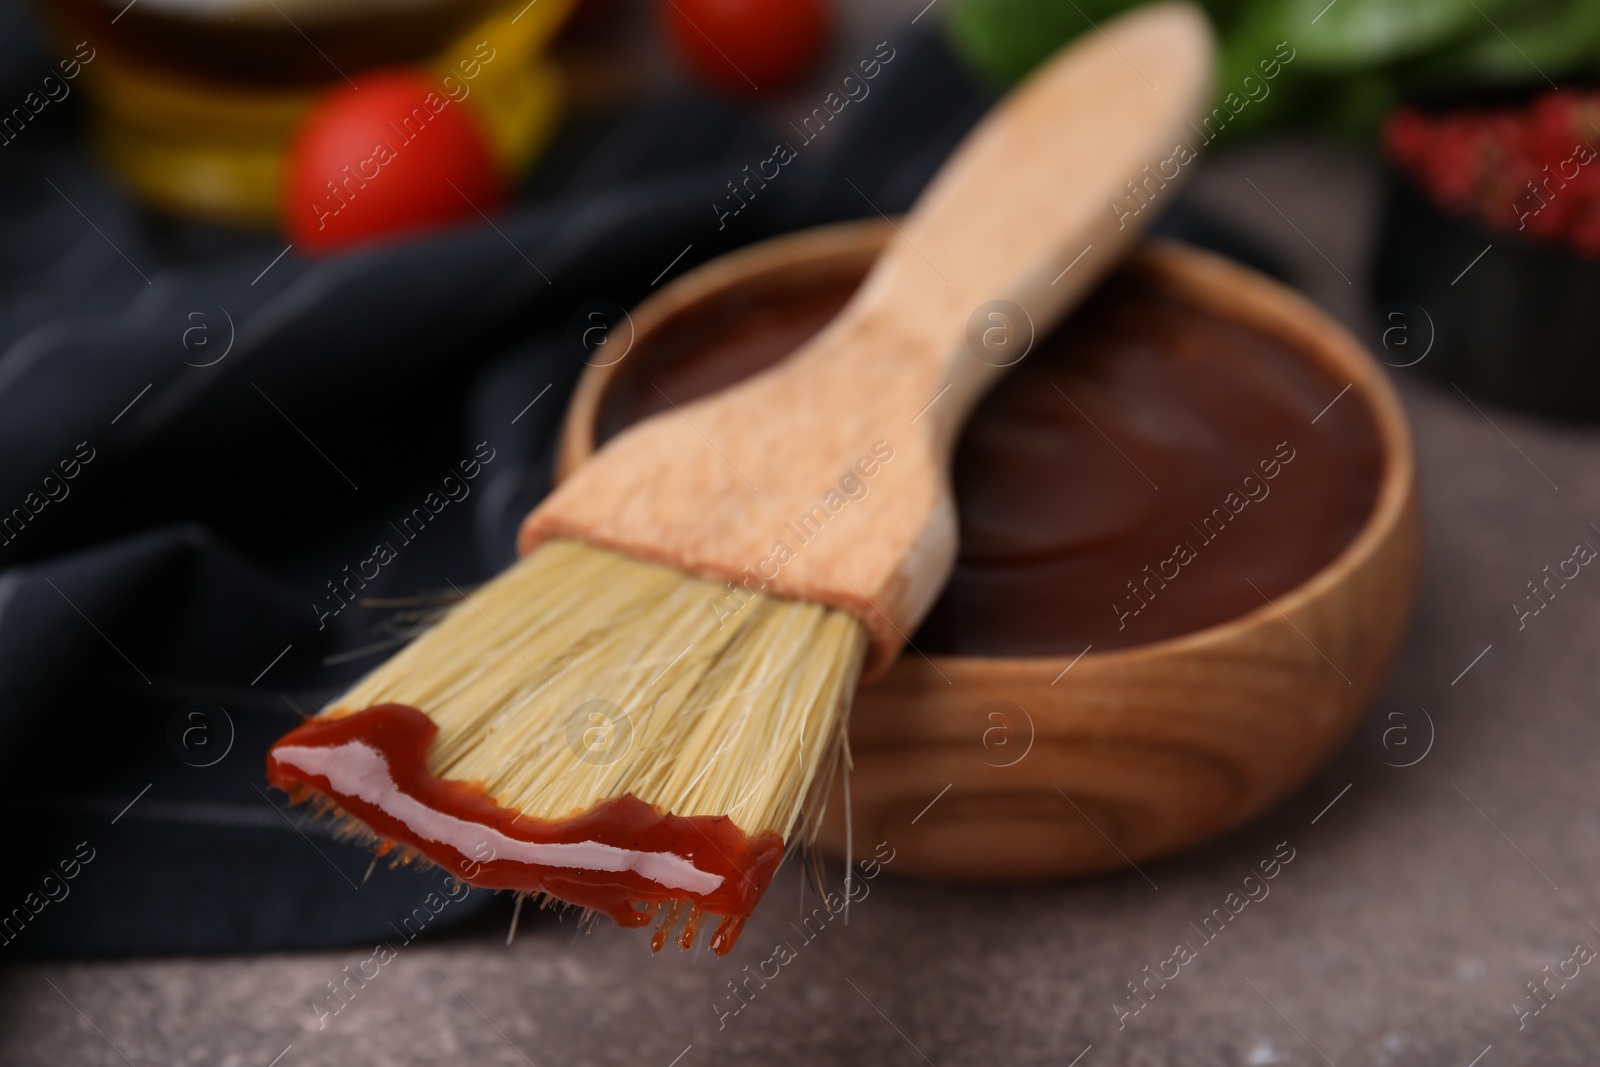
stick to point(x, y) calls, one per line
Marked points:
point(618, 855)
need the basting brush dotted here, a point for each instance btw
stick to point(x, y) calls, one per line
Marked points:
point(638, 714)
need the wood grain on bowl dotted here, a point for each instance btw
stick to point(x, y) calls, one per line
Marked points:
point(1007, 769)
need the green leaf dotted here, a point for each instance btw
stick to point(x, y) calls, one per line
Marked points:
point(1551, 40)
point(1250, 50)
point(1005, 39)
point(1356, 34)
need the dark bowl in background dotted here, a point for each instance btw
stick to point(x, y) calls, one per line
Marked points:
point(1517, 328)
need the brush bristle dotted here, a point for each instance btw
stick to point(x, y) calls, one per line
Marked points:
point(582, 675)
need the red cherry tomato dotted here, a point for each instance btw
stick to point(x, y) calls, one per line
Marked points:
point(394, 155)
point(747, 45)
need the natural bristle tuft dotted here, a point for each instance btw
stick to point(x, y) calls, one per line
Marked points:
point(582, 677)
point(582, 674)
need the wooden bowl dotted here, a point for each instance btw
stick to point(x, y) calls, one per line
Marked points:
point(994, 770)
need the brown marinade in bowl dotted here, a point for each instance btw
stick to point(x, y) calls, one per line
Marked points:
point(1151, 468)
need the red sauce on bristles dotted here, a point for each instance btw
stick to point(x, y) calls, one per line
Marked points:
point(622, 857)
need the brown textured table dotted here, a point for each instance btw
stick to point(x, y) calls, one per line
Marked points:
point(1418, 903)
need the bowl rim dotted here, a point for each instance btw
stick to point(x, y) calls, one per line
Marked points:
point(1206, 279)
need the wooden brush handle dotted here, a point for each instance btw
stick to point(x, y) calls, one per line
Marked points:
point(824, 478)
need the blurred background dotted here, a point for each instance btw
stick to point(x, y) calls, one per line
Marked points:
point(268, 270)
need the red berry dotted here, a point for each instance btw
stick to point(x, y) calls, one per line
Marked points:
point(394, 155)
point(1531, 170)
point(747, 46)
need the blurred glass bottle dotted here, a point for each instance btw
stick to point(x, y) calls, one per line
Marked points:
point(193, 101)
